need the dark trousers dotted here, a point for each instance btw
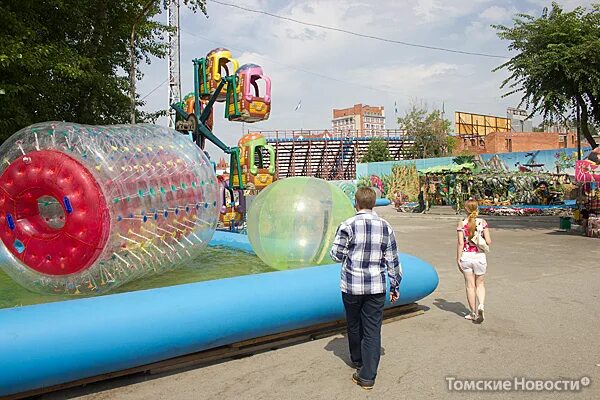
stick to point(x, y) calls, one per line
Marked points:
point(364, 315)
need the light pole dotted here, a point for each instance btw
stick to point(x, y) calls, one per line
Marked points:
point(578, 133)
point(132, 59)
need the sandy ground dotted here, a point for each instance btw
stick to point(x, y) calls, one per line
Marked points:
point(542, 321)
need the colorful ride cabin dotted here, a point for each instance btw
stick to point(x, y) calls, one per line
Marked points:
point(250, 102)
point(254, 168)
point(187, 105)
point(233, 208)
point(218, 64)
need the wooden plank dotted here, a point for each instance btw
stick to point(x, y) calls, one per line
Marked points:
point(278, 340)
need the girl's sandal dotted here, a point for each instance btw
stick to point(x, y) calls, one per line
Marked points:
point(471, 317)
point(479, 314)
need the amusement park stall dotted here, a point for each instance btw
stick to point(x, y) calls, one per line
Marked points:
point(587, 174)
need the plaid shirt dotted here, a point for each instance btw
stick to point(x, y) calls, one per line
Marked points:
point(366, 247)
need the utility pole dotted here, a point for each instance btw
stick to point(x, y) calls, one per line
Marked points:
point(444, 116)
point(132, 60)
point(174, 59)
point(132, 68)
point(578, 132)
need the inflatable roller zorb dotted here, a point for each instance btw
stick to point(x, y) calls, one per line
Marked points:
point(88, 208)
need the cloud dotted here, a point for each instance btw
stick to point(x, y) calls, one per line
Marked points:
point(305, 34)
point(565, 4)
point(439, 10)
point(479, 33)
point(405, 79)
point(428, 9)
point(496, 14)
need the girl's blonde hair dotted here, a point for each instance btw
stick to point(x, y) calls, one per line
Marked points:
point(472, 209)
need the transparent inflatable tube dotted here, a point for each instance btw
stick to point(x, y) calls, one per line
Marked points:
point(349, 189)
point(84, 209)
point(94, 336)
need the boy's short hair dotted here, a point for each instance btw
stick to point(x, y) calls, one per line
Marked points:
point(365, 198)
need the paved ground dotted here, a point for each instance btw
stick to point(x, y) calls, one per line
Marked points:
point(541, 322)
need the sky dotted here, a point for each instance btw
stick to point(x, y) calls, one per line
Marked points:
point(325, 69)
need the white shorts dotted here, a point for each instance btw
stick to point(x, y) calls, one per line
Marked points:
point(473, 263)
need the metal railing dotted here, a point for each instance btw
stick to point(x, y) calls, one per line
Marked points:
point(303, 134)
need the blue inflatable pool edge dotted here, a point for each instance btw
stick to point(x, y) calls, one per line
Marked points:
point(382, 201)
point(49, 344)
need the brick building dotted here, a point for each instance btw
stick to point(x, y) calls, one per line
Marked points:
point(364, 119)
point(508, 142)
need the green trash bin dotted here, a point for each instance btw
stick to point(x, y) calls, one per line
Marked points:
point(565, 223)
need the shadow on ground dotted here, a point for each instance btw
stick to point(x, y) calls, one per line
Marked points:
point(567, 233)
point(455, 307)
point(339, 347)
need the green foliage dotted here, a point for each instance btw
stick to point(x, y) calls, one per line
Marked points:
point(464, 159)
point(539, 128)
point(403, 183)
point(363, 181)
point(66, 59)
point(557, 63)
point(451, 144)
point(377, 151)
point(497, 187)
point(430, 131)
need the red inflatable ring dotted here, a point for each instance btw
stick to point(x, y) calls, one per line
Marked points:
point(53, 248)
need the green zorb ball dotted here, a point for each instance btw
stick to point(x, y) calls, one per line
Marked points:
point(292, 223)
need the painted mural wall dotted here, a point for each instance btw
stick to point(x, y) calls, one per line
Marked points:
point(560, 161)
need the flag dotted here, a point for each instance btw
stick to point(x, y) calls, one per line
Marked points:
point(299, 106)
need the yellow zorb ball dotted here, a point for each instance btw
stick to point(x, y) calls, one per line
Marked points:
point(292, 223)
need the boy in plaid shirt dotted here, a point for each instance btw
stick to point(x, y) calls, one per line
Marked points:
point(366, 247)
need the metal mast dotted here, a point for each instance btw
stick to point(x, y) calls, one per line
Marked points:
point(174, 57)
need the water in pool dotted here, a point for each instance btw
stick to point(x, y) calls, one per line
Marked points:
point(213, 263)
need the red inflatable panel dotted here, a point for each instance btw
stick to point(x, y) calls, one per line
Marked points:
point(29, 237)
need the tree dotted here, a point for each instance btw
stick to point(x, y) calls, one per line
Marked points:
point(557, 65)
point(429, 130)
point(377, 151)
point(451, 143)
point(66, 59)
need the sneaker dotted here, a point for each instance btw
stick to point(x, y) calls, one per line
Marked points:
point(480, 314)
point(367, 385)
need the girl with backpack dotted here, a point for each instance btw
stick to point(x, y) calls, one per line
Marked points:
point(473, 243)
